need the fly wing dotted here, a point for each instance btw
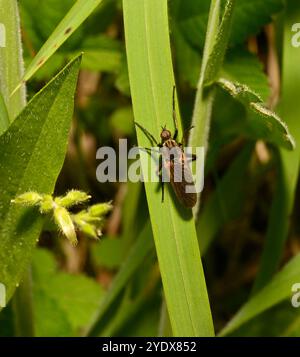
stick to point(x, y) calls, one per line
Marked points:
point(181, 178)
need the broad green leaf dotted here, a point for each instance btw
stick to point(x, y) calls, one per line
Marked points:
point(191, 19)
point(11, 61)
point(149, 58)
point(74, 18)
point(243, 67)
point(265, 123)
point(49, 318)
point(32, 154)
point(279, 289)
point(68, 300)
point(249, 17)
point(137, 255)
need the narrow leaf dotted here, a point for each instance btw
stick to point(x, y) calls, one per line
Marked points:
point(74, 18)
point(149, 57)
point(11, 61)
point(276, 291)
point(139, 251)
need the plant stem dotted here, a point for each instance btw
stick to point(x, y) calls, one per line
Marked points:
point(216, 41)
point(203, 103)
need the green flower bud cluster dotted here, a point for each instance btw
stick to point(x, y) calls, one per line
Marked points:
point(88, 221)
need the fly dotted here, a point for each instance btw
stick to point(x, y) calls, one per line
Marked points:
point(173, 162)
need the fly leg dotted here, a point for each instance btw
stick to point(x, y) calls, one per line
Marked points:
point(148, 134)
point(174, 115)
point(185, 136)
point(162, 183)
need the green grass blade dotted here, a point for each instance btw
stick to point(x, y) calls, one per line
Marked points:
point(277, 232)
point(289, 161)
point(4, 117)
point(11, 61)
point(149, 59)
point(74, 18)
point(32, 155)
point(276, 291)
point(139, 251)
point(11, 72)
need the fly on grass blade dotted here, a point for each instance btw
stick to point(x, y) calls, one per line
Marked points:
point(173, 162)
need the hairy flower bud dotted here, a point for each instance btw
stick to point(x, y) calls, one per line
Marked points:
point(72, 198)
point(65, 223)
point(100, 209)
point(47, 204)
point(28, 199)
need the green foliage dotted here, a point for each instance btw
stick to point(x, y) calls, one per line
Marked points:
point(63, 303)
point(136, 257)
point(276, 291)
point(89, 221)
point(248, 18)
point(117, 286)
point(76, 15)
point(4, 118)
point(32, 163)
point(243, 67)
point(265, 123)
point(285, 323)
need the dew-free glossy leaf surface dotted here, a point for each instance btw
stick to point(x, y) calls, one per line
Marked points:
point(149, 59)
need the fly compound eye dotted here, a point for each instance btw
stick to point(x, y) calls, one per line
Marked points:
point(165, 134)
